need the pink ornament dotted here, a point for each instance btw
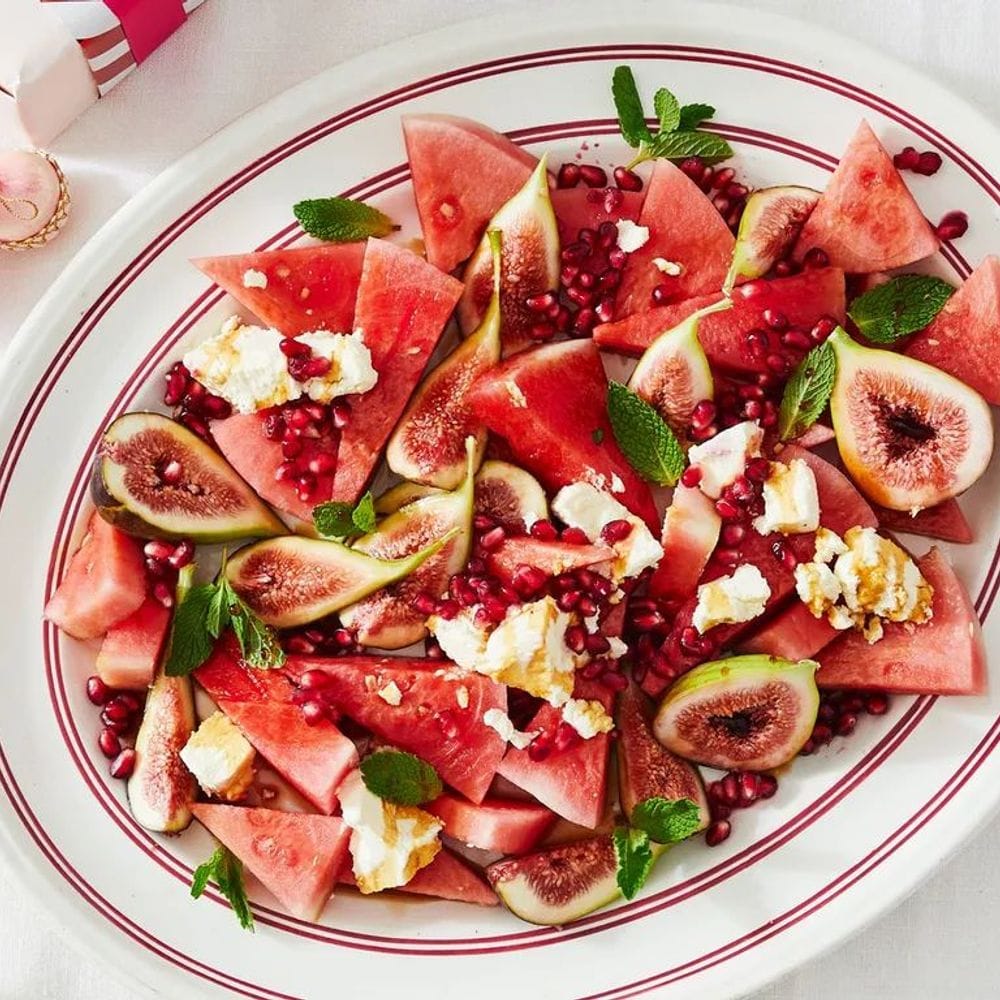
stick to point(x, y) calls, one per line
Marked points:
point(34, 200)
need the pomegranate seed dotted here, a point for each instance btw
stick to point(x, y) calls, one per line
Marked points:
point(164, 594)
point(906, 159)
point(544, 531)
point(171, 473)
point(767, 785)
point(607, 233)
point(784, 555)
point(733, 534)
point(784, 268)
point(433, 651)
point(816, 257)
point(823, 328)
point(737, 191)
point(616, 531)
point(292, 348)
point(752, 409)
point(928, 164)
point(594, 177)
point(703, 414)
point(567, 601)
point(778, 363)
point(340, 413)
point(690, 639)
point(568, 176)
point(627, 180)
point(539, 748)
point(821, 734)
point(727, 510)
point(617, 258)
point(528, 580)
point(597, 645)
point(274, 426)
point(691, 476)
point(493, 538)
point(539, 303)
point(605, 309)
point(749, 787)
point(158, 549)
point(216, 407)
point(758, 343)
point(177, 383)
point(797, 339)
point(854, 704)
point(699, 434)
point(566, 736)
point(646, 621)
point(661, 295)
point(314, 712)
point(574, 536)
point(613, 199)
point(97, 690)
point(313, 680)
point(845, 724)
point(770, 416)
point(424, 604)
point(323, 464)
point(123, 765)
point(300, 645)
point(181, 555)
point(717, 832)
point(584, 322)
point(109, 743)
point(754, 289)
point(877, 704)
point(953, 225)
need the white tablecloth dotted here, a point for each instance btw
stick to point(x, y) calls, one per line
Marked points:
point(235, 54)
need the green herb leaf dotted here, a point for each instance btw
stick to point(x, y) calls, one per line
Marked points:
point(226, 870)
point(668, 109)
point(692, 115)
point(336, 519)
point(667, 821)
point(680, 145)
point(363, 515)
point(901, 306)
point(258, 642)
point(628, 104)
point(400, 777)
point(807, 392)
point(649, 444)
point(597, 435)
point(634, 857)
point(342, 220)
point(190, 640)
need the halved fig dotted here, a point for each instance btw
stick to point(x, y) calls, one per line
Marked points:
point(770, 225)
point(292, 580)
point(910, 435)
point(529, 264)
point(509, 495)
point(673, 374)
point(645, 768)
point(387, 618)
point(751, 713)
point(402, 494)
point(155, 479)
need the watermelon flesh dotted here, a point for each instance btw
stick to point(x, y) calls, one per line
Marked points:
point(505, 825)
point(945, 521)
point(964, 338)
point(944, 656)
point(463, 172)
point(552, 558)
point(225, 678)
point(131, 649)
point(793, 633)
point(684, 227)
point(306, 288)
point(105, 582)
point(551, 423)
point(691, 528)
point(866, 219)
point(803, 298)
point(429, 721)
point(403, 306)
point(584, 208)
point(296, 857)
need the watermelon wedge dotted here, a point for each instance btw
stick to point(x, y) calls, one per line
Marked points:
point(802, 298)
point(684, 227)
point(505, 825)
point(104, 583)
point(691, 529)
point(225, 678)
point(573, 782)
point(403, 306)
point(866, 219)
point(964, 338)
point(945, 521)
point(793, 633)
point(586, 208)
point(131, 649)
point(296, 857)
point(462, 173)
point(429, 721)
point(304, 288)
point(446, 877)
point(549, 404)
point(944, 656)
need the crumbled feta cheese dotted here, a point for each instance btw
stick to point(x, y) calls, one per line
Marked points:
point(220, 758)
point(391, 694)
point(618, 648)
point(723, 458)
point(669, 267)
point(872, 630)
point(460, 638)
point(791, 500)
point(617, 486)
point(253, 278)
point(630, 236)
point(389, 843)
point(587, 717)
point(517, 397)
point(829, 545)
point(350, 360)
point(817, 586)
point(500, 722)
point(840, 618)
point(592, 623)
point(740, 597)
point(583, 506)
point(462, 696)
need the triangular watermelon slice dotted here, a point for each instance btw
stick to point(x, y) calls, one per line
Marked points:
point(446, 877)
point(403, 306)
point(462, 173)
point(585, 208)
point(945, 521)
point(866, 219)
point(131, 649)
point(430, 721)
point(550, 405)
point(794, 633)
point(573, 782)
point(964, 337)
point(226, 678)
point(304, 288)
point(295, 856)
point(685, 228)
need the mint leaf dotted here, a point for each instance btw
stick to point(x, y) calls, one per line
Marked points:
point(363, 515)
point(342, 220)
point(258, 642)
point(650, 446)
point(692, 115)
point(634, 857)
point(191, 643)
point(400, 777)
point(226, 870)
point(218, 616)
point(336, 519)
point(667, 821)
point(680, 145)
point(668, 109)
point(901, 306)
point(807, 392)
point(628, 104)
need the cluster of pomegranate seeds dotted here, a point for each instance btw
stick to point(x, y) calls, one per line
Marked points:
point(563, 737)
point(309, 433)
point(163, 561)
point(591, 271)
point(302, 363)
point(953, 225)
point(194, 406)
point(735, 790)
point(838, 715)
point(121, 713)
point(312, 697)
point(326, 637)
point(908, 158)
point(573, 174)
point(720, 184)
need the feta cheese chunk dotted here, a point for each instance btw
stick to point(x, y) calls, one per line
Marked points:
point(631, 237)
point(350, 360)
point(740, 597)
point(829, 545)
point(618, 648)
point(252, 278)
point(389, 843)
point(584, 506)
point(791, 500)
point(668, 267)
point(220, 758)
point(817, 586)
point(723, 458)
point(391, 694)
point(460, 638)
point(500, 722)
point(587, 717)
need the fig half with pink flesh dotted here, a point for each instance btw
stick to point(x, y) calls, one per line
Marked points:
point(155, 479)
point(750, 713)
point(910, 435)
point(510, 496)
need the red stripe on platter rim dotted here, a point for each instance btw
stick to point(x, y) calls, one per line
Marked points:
point(517, 63)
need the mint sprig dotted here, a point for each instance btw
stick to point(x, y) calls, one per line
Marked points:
point(807, 392)
point(676, 137)
point(400, 777)
point(646, 440)
point(342, 220)
point(899, 307)
point(336, 519)
point(226, 871)
point(634, 857)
